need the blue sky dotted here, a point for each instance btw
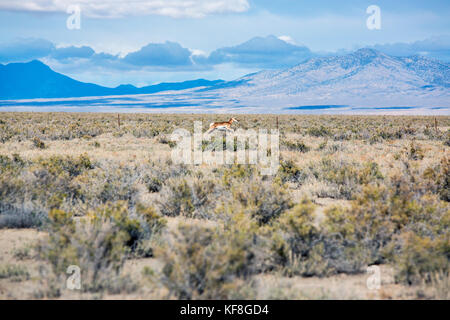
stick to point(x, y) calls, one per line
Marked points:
point(150, 41)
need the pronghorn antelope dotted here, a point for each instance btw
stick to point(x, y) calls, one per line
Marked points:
point(222, 125)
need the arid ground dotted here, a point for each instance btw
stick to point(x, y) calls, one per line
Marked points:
point(351, 192)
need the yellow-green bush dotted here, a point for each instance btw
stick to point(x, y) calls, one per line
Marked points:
point(290, 172)
point(262, 200)
point(216, 262)
point(309, 249)
point(98, 243)
point(14, 272)
point(348, 178)
point(380, 216)
point(295, 146)
point(38, 143)
point(97, 248)
point(237, 172)
point(422, 257)
point(195, 198)
point(206, 263)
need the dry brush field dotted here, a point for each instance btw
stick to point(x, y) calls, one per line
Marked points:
point(351, 192)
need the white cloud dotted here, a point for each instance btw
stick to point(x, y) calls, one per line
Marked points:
point(198, 52)
point(287, 39)
point(121, 8)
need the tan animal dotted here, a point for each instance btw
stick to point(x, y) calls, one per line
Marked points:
point(222, 125)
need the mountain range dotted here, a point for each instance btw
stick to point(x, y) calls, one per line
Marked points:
point(36, 80)
point(364, 78)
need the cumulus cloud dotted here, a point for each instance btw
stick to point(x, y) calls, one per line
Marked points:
point(169, 54)
point(264, 52)
point(22, 50)
point(437, 47)
point(155, 56)
point(121, 8)
point(71, 52)
point(258, 53)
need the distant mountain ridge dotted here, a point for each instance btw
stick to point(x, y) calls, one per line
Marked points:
point(34, 79)
point(374, 65)
point(365, 77)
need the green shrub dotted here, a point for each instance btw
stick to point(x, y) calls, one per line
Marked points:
point(298, 226)
point(119, 184)
point(20, 217)
point(73, 166)
point(178, 199)
point(348, 178)
point(319, 131)
point(289, 172)
point(14, 272)
point(98, 244)
point(305, 249)
point(237, 172)
point(296, 146)
point(154, 185)
point(38, 143)
point(414, 152)
point(443, 180)
point(195, 199)
point(207, 263)
point(322, 145)
point(447, 141)
point(152, 225)
point(379, 216)
point(262, 200)
point(23, 253)
point(421, 258)
point(14, 164)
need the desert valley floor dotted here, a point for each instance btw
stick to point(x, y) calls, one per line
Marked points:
point(351, 192)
